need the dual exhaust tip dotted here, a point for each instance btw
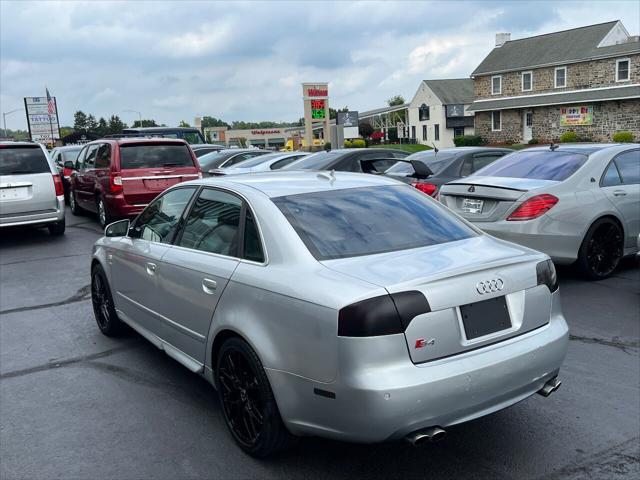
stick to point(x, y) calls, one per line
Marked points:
point(550, 387)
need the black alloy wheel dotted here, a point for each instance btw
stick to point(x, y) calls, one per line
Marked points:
point(248, 403)
point(103, 307)
point(602, 249)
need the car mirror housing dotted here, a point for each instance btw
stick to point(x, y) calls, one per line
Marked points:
point(117, 229)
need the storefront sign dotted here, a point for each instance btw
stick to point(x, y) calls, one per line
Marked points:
point(348, 119)
point(266, 132)
point(317, 92)
point(576, 115)
point(42, 119)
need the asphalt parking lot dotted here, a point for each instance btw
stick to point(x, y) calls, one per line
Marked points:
point(75, 404)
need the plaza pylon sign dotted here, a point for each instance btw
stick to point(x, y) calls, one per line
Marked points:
point(315, 97)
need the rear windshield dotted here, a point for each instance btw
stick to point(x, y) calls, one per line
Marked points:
point(538, 165)
point(256, 161)
point(70, 155)
point(437, 163)
point(215, 159)
point(369, 220)
point(22, 160)
point(154, 156)
point(316, 161)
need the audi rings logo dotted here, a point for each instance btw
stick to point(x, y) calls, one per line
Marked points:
point(490, 286)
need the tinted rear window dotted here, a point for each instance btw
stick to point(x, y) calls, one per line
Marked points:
point(215, 159)
point(316, 161)
point(70, 155)
point(22, 160)
point(539, 165)
point(154, 156)
point(369, 220)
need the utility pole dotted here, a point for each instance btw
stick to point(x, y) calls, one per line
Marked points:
point(4, 119)
point(135, 111)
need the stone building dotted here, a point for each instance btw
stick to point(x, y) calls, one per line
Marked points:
point(586, 80)
point(438, 111)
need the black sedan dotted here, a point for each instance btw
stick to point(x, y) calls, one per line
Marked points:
point(212, 162)
point(429, 169)
point(349, 159)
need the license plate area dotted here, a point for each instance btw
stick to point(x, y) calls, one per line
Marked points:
point(14, 193)
point(485, 317)
point(472, 205)
point(160, 183)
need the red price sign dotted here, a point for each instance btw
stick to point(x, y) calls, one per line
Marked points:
point(317, 104)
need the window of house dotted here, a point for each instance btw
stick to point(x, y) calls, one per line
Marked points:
point(436, 132)
point(413, 132)
point(527, 81)
point(423, 112)
point(496, 121)
point(561, 77)
point(424, 132)
point(622, 70)
point(496, 85)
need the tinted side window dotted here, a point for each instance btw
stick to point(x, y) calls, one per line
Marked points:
point(80, 159)
point(283, 163)
point(467, 167)
point(252, 245)
point(213, 223)
point(103, 157)
point(159, 221)
point(349, 164)
point(238, 158)
point(481, 161)
point(611, 176)
point(628, 164)
point(90, 159)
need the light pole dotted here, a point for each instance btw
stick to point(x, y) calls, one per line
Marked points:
point(139, 114)
point(4, 119)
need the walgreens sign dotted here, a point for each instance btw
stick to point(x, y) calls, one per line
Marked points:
point(317, 92)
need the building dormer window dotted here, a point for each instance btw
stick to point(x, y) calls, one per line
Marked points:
point(622, 70)
point(527, 81)
point(423, 112)
point(560, 77)
point(496, 85)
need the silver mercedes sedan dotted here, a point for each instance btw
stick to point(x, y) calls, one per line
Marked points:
point(340, 305)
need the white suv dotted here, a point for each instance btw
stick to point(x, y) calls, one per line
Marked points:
point(31, 190)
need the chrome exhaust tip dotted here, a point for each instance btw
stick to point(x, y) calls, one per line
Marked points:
point(550, 387)
point(432, 434)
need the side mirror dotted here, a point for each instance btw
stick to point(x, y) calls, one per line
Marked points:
point(117, 229)
point(70, 164)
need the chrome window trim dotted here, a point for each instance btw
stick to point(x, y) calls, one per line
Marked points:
point(158, 177)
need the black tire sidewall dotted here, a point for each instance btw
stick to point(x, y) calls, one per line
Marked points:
point(583, 262)
point(75, 209)
point(114, 325)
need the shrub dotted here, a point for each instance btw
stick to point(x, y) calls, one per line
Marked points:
point(347, 144)
point(468, 140)
point(569, 137)
point(327, 146)
point(623, 137)
point(358, 143)
point(533, 141)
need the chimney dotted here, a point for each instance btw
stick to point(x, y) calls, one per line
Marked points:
point(502, 38)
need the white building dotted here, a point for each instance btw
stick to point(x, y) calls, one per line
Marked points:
point(438, 111)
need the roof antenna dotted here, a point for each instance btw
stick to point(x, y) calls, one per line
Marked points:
point(435, 149)
point(553, 147)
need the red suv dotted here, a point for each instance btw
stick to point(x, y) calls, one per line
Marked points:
point(117, 178)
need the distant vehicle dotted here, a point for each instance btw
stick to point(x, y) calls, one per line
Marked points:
point(348, 159)
point(31, 191)
point(212, 162)
point(573, 202)
point(429, 169)
point(189, 134)
point(264, 163)
point(65, 158)
point(201, 149)
point(117, 178)
point(289, 146)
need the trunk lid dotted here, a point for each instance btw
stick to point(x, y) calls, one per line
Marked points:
point(488, 199)
point(449, 275)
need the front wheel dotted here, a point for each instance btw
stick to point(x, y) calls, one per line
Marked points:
point(249, 406)
point(601, 249)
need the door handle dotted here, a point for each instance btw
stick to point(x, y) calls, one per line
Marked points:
point(619, 193)
point(209, 286)
point(151, 268)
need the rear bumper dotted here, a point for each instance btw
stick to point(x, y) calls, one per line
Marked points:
point(386, 397)
point(540, 234)
point(35, 218)
point(118, 207)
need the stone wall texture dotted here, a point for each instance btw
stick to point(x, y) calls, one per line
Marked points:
point(591, 74)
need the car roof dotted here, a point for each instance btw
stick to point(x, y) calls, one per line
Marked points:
point(11, 143)
point(160, 129)
point(284, 182)
point(457, 151)
point(585, 148)
point(139, 140)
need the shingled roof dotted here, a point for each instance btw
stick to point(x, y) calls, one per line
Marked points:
point(452, 91)
point(567, 46)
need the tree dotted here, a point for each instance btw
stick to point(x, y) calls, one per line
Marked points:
point(213, 122)
point(184, 124)
point(396, 100)
point(92, 124)
point(144, 123)
point(365, 129)
point(103, 127)
point(80, 121)
point(116, 125)
point(333, 113)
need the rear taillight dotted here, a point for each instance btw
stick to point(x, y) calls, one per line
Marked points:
point(534, 207)
point(115, 183)
point(66, 172)
point(57, 183)
point(428, 188)
point(546, 275)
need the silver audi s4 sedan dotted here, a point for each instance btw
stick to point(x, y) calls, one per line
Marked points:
point(340, 305)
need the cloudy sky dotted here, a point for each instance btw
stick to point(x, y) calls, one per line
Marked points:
point(246, 60)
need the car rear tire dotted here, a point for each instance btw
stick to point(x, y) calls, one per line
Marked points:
point(601, 249)
point(73, 203)
point(103, 213)
point(103, 306)
point(248, 404)
point(57, 229)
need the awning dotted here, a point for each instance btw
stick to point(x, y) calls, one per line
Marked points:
point(563, 98)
